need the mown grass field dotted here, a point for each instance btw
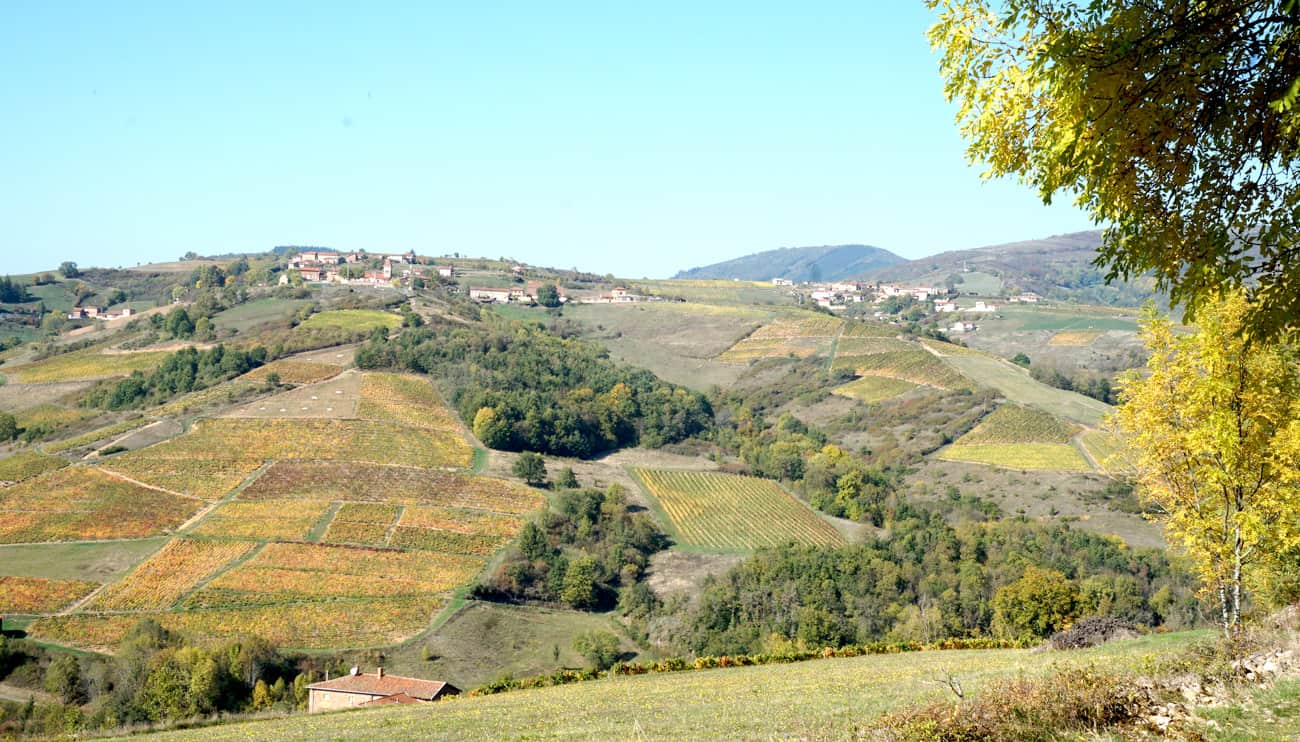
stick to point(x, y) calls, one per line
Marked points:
point(1015, 384)
point(678, 341)
point(818, 699)
point(352, 319)
point(1048, 456)
point(723, 512)
point(253, 313)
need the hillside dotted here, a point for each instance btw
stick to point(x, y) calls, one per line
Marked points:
point(818, 699)
point(825, 263)
point(1058, 267)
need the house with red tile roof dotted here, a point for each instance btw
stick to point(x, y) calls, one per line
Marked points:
point(365, 689)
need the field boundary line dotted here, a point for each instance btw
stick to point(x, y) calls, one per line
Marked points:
point(155, 488)
point(1076, 440)
point(93, 593)
point(175, 606)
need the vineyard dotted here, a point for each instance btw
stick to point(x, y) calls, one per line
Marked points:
point(80, 503)
point(39, 595)
point(297, 573)
point(861, 329)
point(294, 372)
point(268, 521)
point(1041, 456)
point(915, 366)
point(84, 365)
point(405, 400)
point(799, 336)
point(870, 345)
point(364, 441)
point(1075, 337)
point(195, 401)
point(722, 512)
point(53, 417)
point(352, 319)
point(165, 577)
point(870, 389)
point(207, 478)
point(326, 480)
point(27, 464)
point(334, 625)
point(1011, 423)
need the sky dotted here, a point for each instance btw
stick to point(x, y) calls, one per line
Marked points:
point(627, 138)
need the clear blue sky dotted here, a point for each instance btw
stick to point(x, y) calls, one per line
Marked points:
point(636, 139)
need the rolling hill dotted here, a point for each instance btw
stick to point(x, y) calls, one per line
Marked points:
point(825, 263)
point(1058, 267)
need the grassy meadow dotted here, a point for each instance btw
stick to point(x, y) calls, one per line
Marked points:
point(817, 699)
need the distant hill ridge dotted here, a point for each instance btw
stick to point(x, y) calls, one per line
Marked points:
point(825, 263)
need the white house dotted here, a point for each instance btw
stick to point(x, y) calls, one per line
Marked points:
point(945, 305)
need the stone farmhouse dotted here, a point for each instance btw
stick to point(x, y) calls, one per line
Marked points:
point(374, 689)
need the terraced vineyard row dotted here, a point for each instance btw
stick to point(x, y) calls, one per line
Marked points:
point(732, 513)
point(40, 595)
point(917, 366)
point(81, 503)
point(1012, 423)
point(330, 480)
point(332, 625)
point(163, 578)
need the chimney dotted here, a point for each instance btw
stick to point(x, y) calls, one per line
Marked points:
point(381, 672)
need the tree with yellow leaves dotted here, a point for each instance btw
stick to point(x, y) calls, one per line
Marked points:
point(1213, 430)
point(1174, 124)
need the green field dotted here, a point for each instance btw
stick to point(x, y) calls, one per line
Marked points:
point(817, 699)
point(253, 313)
point(1070, 318)
point(874, 388)
point(678, 341)
point(1015, 384)
point(352, 319)
point(1046, 456)
point(716, 292)
point(723, 512)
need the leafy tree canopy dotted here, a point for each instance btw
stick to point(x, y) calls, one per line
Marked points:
point(1214, 431)
point(1174, 123)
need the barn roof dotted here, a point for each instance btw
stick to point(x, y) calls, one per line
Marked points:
point(385, 685)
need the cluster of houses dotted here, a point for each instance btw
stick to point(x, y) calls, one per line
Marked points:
point(89, 312)
point(322, 266)
point(839, 294)
point(526, 294)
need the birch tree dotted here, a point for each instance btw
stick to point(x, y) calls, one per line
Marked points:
point(1213, 431)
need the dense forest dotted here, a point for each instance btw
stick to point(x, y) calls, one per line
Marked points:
point(524, 389)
